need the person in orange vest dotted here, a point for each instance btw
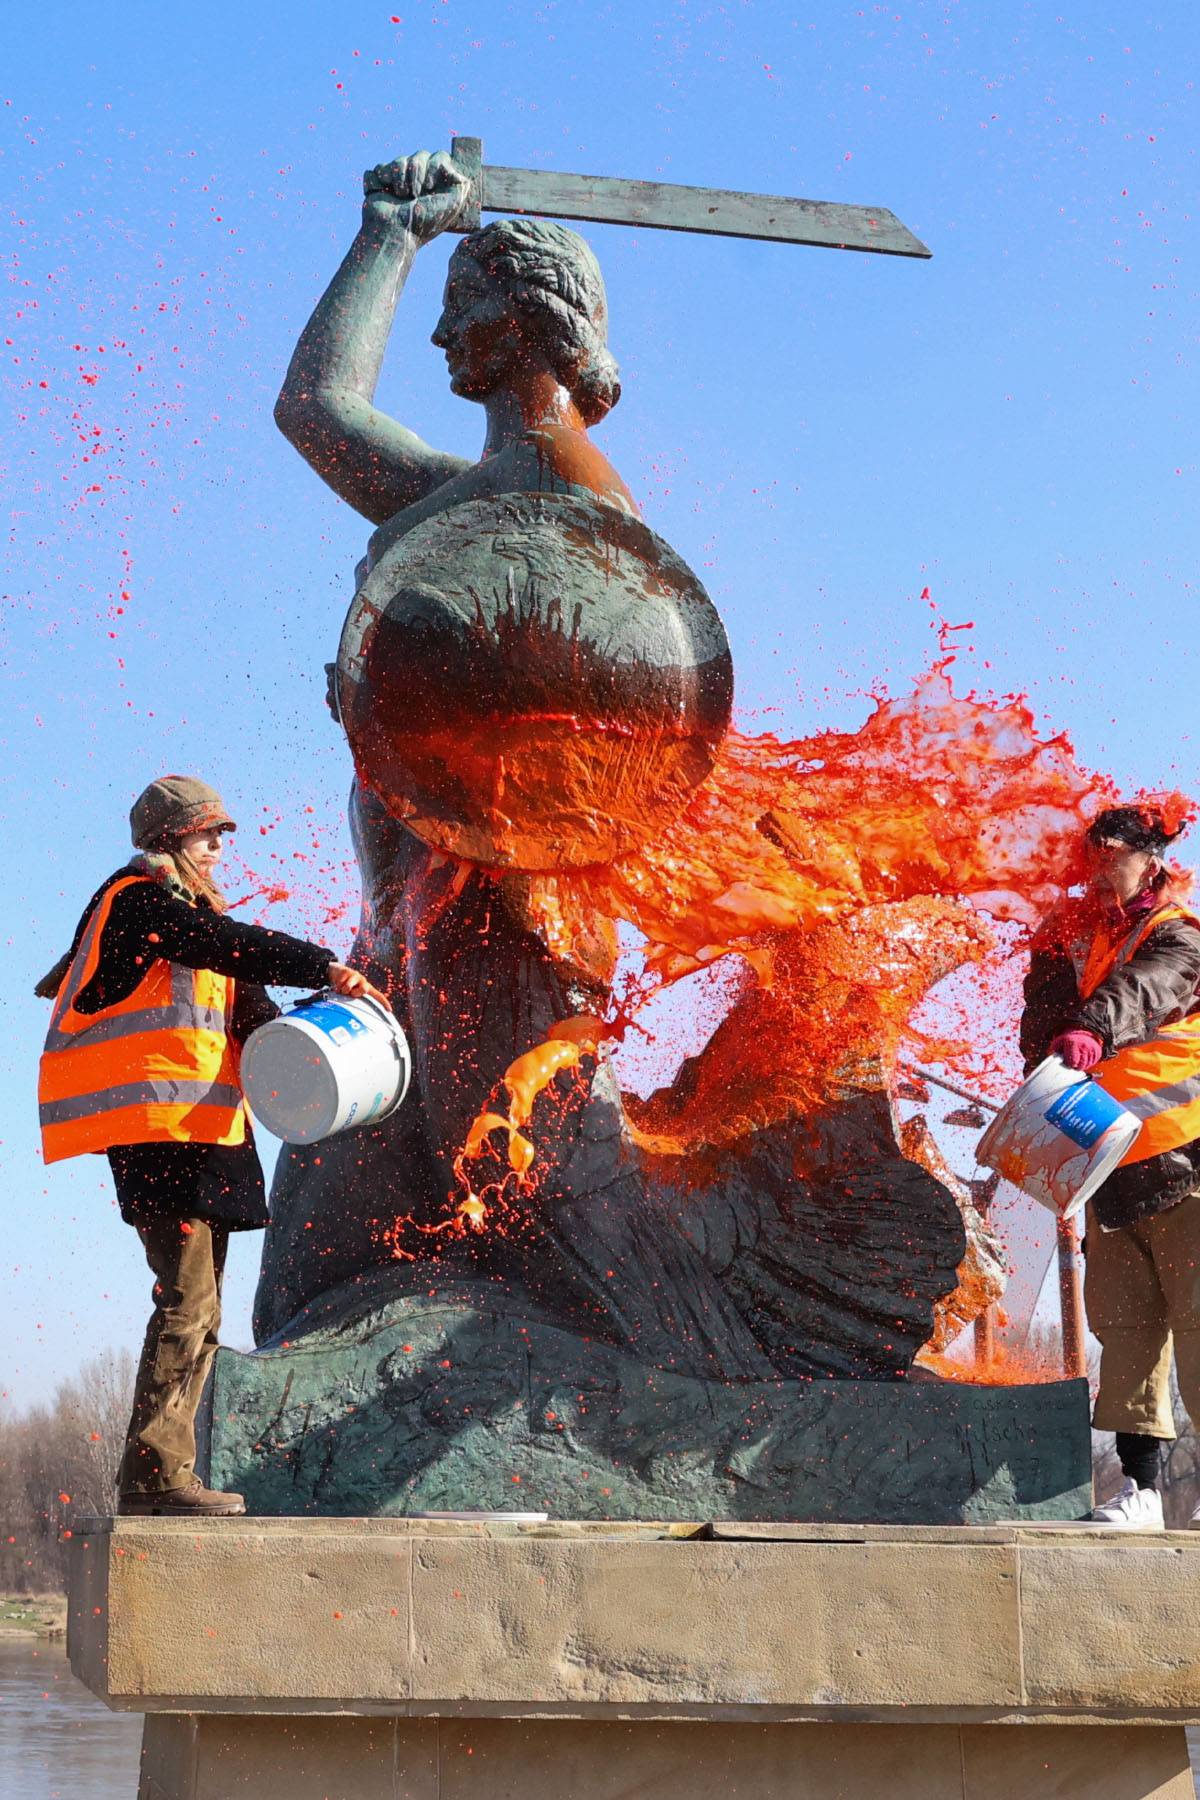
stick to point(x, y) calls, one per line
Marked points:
point(151, 1004)
point(1114, 988)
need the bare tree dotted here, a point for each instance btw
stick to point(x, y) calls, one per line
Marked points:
point(56, 1463)
point(95, 1409)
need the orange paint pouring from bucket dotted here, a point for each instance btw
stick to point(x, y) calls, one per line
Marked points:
point(1006, 1367)
point(524, 1080)
point(850, 872)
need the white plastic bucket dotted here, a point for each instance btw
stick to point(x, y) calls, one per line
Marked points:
point(326, 1064)
point(1058, 1137)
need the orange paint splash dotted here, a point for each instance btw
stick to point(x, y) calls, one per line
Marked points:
point(525, 1078)
point(1006, 1367)
point(848, 873)
point(271, 892)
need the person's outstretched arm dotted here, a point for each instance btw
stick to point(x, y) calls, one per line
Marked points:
point(326, 408)
point(147, 922)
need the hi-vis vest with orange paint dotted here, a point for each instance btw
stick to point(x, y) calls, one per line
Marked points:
point(156, 1067)
point(1158, 1080)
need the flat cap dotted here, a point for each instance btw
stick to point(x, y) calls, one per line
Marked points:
point(174, 805)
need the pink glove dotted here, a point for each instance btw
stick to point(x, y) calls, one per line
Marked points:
point(1078, 1049)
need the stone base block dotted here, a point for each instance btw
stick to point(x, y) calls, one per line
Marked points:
point(390, 1659)
point(433, 1406)
point(995, 1624)
point(227, 1758)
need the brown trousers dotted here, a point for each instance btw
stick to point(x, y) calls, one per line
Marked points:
point(1142, 1293)
point(187, 1257)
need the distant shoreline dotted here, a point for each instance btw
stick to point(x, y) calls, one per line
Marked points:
point(33, 1615)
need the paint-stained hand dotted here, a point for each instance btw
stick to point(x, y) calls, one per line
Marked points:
point(424, 193)
point(354, 984)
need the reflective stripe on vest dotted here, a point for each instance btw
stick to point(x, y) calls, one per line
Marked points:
point(158, 1066)
point(182, 1014)
point(139, 1093)
point(1158, 1081)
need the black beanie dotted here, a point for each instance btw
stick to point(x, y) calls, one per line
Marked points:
point(1140, 827)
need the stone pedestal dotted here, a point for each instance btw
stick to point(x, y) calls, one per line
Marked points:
point(341, 1659)
point(504, 1759)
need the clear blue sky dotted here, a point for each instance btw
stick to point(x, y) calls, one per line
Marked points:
point(821, 435)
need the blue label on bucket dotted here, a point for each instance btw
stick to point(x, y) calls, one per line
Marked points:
point(1084, 1113)
point(337, 1022)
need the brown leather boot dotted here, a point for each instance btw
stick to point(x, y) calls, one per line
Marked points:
point(190, 1502)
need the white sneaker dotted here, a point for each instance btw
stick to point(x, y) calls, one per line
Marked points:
point(1132, 1508)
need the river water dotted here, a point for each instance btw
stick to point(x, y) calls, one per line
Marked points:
point(58, 1742)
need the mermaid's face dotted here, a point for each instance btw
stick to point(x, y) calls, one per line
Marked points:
point(478, 330)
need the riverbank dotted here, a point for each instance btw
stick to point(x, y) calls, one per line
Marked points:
point(33, 1615)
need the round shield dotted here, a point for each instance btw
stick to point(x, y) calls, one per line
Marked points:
point(533, 681)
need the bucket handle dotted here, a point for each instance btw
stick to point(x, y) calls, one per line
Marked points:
point(385, 1012)
point(328, 993)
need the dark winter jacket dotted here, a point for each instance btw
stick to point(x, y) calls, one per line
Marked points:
point(222, 1183)
point(1159, 984)
point(148, 921)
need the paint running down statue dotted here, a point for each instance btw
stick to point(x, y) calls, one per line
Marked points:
point(535, 689)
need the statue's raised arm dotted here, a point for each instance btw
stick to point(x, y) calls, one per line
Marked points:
point(326, 407)
point(523, 328)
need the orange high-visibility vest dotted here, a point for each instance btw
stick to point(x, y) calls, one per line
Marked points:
point(1158, 1080)
point(156, 1067)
